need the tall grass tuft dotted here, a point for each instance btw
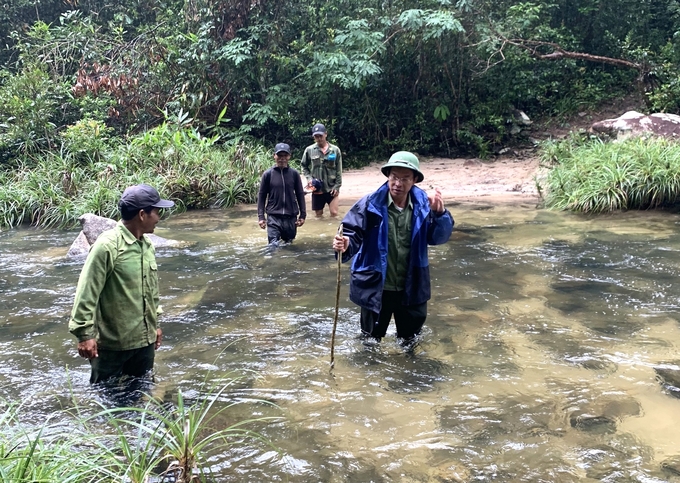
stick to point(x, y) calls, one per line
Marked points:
point(89, 177)
point(50, 452)
point(179, 438)
point(158, 442)
point(593, 176)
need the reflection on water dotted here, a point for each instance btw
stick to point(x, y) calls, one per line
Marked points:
point(550, 352)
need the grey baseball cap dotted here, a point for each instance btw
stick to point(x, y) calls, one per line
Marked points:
point(142, 196)
point(318, 129)
point(281, 148)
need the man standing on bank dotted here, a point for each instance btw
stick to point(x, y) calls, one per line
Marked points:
point(116, 308)
point(389, 231)
point(282, 198)
point(323, 161)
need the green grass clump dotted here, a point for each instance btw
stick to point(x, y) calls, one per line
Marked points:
point(593, 176)
point(194, 171)
point(158, 442)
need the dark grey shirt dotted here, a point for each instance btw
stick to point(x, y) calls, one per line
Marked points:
point(281, 194)
point(399, 227)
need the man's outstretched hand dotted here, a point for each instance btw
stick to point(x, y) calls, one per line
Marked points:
point(436, 202)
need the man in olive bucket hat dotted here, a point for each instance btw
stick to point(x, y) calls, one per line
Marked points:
point(389, 231)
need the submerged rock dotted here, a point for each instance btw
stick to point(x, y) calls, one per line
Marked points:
point(672, 465)
point(602, 416)
point(593, 362)
point(93, 226)
point(592, 423)
point(669, 377)
point(449, 472)
point(622, 407)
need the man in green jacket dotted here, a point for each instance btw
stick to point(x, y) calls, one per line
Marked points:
point(116, 308)
point(323, 161)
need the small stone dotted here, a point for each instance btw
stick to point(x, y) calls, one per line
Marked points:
point(592, 423)
point(672, 465)
point(669, 377)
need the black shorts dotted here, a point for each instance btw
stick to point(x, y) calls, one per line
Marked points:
point(133, 362)
point(281, 228)
point(409, 319)
point(321, 200)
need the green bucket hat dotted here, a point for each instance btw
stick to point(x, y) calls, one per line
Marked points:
point(404, 159)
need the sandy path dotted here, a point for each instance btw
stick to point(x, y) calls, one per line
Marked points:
point(502, 180)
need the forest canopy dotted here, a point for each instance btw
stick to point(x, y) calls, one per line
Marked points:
point(432, 76)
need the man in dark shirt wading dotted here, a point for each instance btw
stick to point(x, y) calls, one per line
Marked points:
point(116, 308)
point(282, 198)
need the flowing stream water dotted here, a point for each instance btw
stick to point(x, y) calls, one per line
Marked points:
point(548, 353)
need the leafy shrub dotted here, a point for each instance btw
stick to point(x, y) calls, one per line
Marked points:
point(29, 110)
point(665, 97)
point(88, 139)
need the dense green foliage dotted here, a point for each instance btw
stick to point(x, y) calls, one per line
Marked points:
point(432, 76)
point(593, 176)
point(90, 172)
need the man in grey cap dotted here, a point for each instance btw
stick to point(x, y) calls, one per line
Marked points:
point(323, 161)
point(116, 308)
point(281, 198)
point(388, 232)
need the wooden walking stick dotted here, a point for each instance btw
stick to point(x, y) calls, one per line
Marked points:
point(337, 305)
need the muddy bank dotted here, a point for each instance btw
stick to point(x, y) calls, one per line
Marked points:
point(505, 180)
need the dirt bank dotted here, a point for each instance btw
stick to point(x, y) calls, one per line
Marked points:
point(501, 180)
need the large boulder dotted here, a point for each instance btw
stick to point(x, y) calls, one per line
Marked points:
point(93, 226)
point(633, 123)
point(80, 246)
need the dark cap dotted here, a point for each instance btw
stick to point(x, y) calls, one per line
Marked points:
point(317, 184)
point(318, 129)
point(142, 196)
point(281, 147)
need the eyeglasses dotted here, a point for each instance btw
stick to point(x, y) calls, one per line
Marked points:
point(405, 180)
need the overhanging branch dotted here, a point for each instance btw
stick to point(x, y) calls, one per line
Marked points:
point(558, 53)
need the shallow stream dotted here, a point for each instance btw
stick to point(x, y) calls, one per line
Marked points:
point(540, 360)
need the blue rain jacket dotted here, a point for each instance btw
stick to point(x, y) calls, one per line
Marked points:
point(366, 226)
